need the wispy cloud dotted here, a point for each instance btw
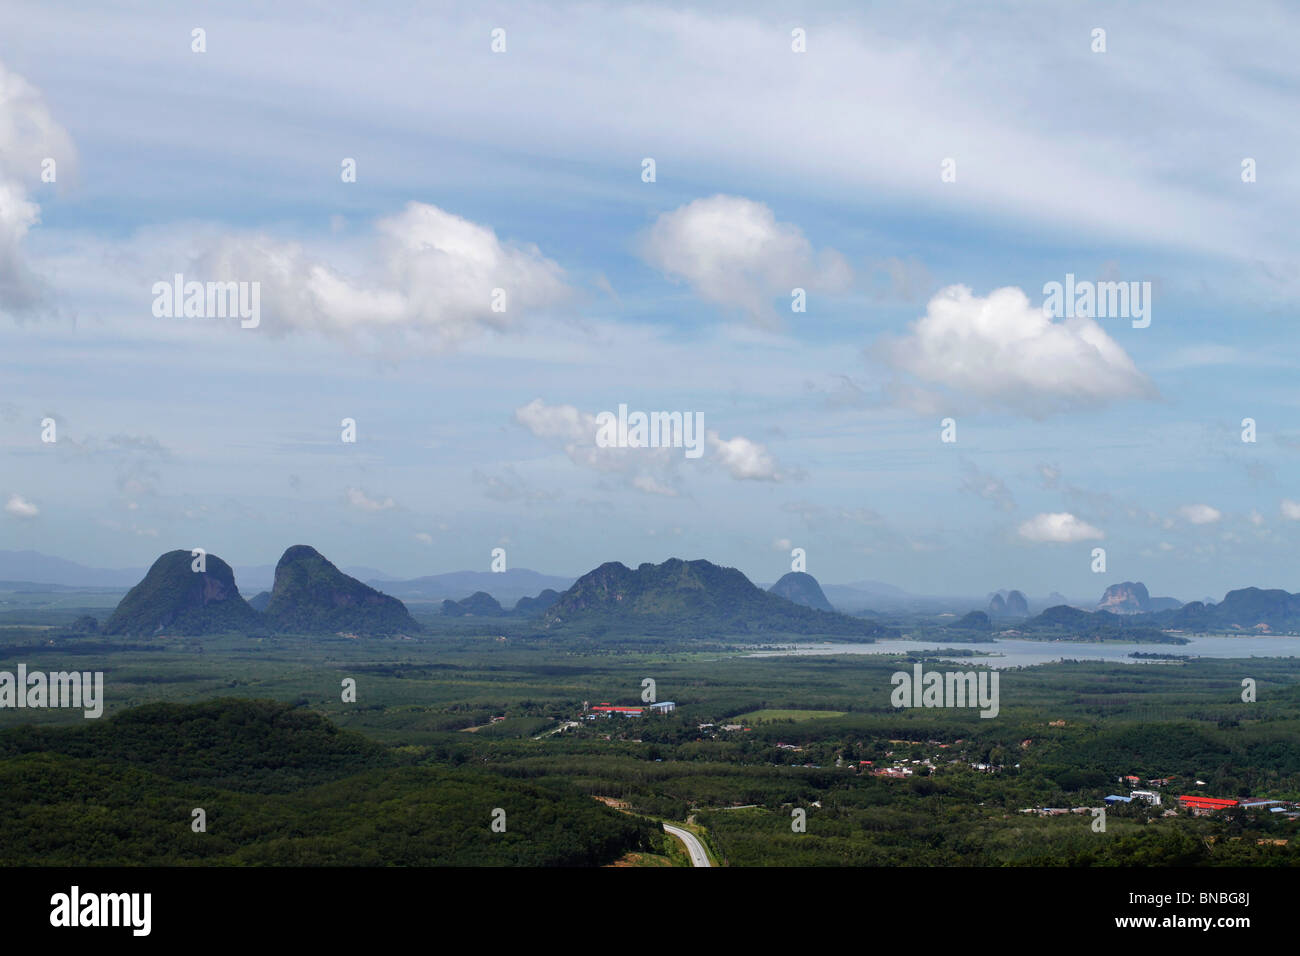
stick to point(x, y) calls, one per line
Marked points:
point(358, 499)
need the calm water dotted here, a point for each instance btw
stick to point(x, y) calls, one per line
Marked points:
point(1014, 652)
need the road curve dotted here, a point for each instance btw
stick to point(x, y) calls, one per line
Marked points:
point(693, 845)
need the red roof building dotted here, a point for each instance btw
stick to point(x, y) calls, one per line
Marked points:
point(1205, 803)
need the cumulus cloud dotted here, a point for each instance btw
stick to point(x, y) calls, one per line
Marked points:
point(648, 470)
point(744, 459)
point(1200, 514)
point(358, 499)
point(28, 136)
point(20, 507)
point(651, 470)
point(1058, 527)
point(424, 537)
point(733, 252)
point(1000, 350)
point(432, 277)
point(1290, 509)
point(571, 429)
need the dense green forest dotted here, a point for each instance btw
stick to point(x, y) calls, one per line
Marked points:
point(488, 714)
point(278, 786)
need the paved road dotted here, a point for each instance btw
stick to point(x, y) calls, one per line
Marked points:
point(693, 845)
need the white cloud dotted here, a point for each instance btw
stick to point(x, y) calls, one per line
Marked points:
point(432, 277)
point(18, 285)
point(1290, 509)
point(1200, 514)
point(1059, 527)
point(781, 544)
point(424, 537)
point(565, 425)
point(734, 253)
point(28, 136)
point(19, 506)
point(650, 470)
point(1001, 350)
point(357, 498)
point(744, 459)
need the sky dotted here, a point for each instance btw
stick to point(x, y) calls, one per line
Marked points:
point(506, 265)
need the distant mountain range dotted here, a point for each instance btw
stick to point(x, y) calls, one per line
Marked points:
point(310, 595)
point(31, 568)
point(306, 592)
point(482, 604)
point(877, 596)
point(505, 586)
point(1252, 610)
point(34, 567)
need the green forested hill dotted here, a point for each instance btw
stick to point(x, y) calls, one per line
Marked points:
point(1242, 609)
point(176, 599)
point(694, 597)
point(311, 596)
point(280, 787)
point(251, 745)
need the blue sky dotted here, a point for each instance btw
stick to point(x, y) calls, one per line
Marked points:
point(774, 169)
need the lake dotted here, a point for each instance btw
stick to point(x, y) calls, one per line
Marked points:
point(1017, 652)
